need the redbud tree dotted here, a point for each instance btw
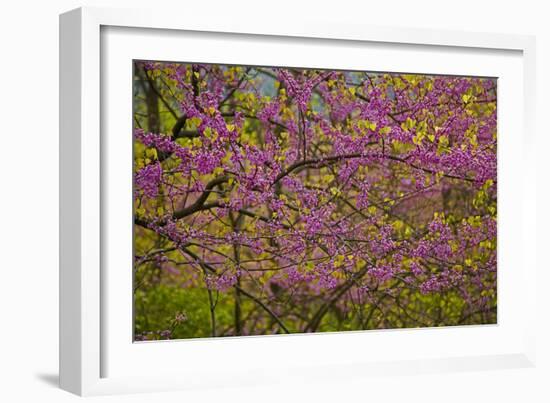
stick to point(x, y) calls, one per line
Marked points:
point(280, 200)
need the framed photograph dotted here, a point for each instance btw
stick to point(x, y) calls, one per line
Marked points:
point(250, 202)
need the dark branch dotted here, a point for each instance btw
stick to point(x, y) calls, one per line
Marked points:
point(199, 204)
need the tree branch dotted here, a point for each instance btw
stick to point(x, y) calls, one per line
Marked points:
point(199, 203)
point(240, 289)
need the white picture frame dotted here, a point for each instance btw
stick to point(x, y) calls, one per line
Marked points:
point(88, 318)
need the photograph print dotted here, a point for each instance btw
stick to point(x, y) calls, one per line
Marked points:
point(281, 200)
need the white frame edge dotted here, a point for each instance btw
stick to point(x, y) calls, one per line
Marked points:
point(79, 164)
point(79, 147)
point(69, 202)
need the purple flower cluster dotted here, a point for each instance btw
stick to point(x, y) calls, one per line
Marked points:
point(149, 178)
